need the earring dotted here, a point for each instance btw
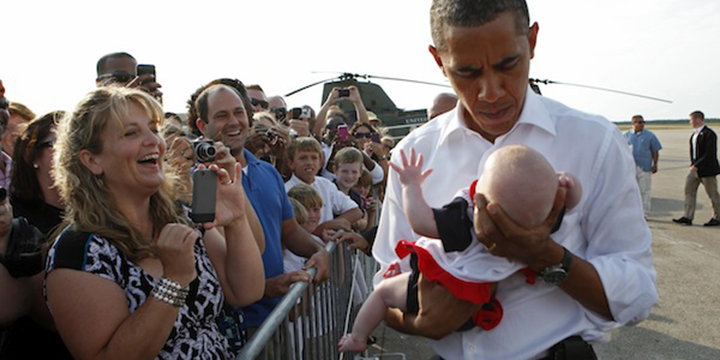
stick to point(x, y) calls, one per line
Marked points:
point(36, 166)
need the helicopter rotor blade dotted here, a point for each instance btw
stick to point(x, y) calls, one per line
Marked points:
point(546, 81)
point(309, 86)
point(406, 80)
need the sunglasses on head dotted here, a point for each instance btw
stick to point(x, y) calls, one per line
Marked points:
point(263, 104)
point(366, 135)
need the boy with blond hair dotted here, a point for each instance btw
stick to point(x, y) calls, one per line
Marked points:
point(348, 168)
point(305, 157)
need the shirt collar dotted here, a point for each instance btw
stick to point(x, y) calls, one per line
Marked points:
point(699, 129)
point(533, 113)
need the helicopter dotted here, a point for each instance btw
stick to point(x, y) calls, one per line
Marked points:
point(398, 121)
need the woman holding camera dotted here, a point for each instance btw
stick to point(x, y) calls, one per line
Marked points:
point(129, 277)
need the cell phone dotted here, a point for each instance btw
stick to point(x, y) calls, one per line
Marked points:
point(144, 69)
point(375, 137)
point(344, 93)
point(343, 133)
point(296, 112)
point(204, 193)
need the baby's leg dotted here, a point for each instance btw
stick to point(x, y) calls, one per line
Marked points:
point(391, 292)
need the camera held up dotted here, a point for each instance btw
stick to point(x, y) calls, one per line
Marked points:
point(204, 151)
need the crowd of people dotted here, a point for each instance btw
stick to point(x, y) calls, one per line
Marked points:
point(129, 232)
point(99, 223)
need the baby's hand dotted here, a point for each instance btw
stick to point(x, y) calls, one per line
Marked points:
point(572, 187)
point(411, 172)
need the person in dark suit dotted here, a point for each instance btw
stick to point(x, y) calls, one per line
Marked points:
point(704, 168)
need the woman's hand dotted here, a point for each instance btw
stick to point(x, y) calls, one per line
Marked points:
point(175, 250)
point(230, 196)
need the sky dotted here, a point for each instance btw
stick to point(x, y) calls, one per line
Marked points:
point(667, 49)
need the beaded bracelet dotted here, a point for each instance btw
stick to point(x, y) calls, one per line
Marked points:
point(170, 292)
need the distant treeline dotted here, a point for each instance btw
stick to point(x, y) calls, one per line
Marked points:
point(669, 121)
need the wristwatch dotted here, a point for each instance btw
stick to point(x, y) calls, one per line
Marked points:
point(556, 274)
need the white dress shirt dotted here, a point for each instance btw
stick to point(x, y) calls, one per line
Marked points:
point(693, 143)
point(606, 228)
point(334, 201)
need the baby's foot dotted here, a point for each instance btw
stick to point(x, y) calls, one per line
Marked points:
point(351, 343)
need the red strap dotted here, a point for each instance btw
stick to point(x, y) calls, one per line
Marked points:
point(472, 191)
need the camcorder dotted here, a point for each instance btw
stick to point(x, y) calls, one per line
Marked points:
point(344, 93)
point(204, 151)
point(23, 256)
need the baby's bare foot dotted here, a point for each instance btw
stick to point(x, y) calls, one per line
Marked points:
point(351, 343)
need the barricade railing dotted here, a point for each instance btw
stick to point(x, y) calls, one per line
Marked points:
point(310, 320)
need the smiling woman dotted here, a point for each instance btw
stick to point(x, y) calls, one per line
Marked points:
point(129, 269)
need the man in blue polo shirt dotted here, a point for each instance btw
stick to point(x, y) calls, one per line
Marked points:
point(646, 149)
point(222, 114)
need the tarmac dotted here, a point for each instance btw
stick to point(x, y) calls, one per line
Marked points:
point(685, 322)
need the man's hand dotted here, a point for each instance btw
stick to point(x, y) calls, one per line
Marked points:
point(280, 285)
point(301, 127)
point(654, 168)
point(504, 237)
point(321, 261)
point(693, 168)
point(355, 240)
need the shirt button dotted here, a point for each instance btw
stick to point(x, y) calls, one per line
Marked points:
point(472, 348)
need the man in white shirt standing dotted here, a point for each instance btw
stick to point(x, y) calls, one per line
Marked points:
point(596, 271)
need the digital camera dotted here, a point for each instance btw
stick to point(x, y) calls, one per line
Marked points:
point(204, 151)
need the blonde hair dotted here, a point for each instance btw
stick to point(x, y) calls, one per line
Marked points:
point(348, 155)
point(301, 214)
point(304, 144)
point(89, 204)
point(306, 195)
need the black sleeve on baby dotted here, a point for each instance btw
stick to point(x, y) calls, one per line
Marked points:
point(454, 225)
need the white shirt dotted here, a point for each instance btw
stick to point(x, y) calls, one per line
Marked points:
point(607, 227)
point(694, 141)
point(334, 201)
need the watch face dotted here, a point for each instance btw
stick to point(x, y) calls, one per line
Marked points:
point(554, 276)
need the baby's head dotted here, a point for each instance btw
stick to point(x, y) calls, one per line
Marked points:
point(522, 182)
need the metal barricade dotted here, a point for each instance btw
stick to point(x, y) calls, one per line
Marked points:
point(310, 320)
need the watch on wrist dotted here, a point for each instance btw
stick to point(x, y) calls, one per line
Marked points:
point(556, 274)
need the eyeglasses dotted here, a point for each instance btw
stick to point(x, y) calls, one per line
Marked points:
point(639, 122)
point(366, 135)
point(263, 104)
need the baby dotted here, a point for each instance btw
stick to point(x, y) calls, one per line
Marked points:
point(515, 177)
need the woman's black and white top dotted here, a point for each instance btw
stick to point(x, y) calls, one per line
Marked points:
point(195, 334)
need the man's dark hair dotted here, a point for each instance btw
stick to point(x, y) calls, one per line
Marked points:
point(472, 13)
point(103, 60)
point(698, 113)
point(198, 108)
